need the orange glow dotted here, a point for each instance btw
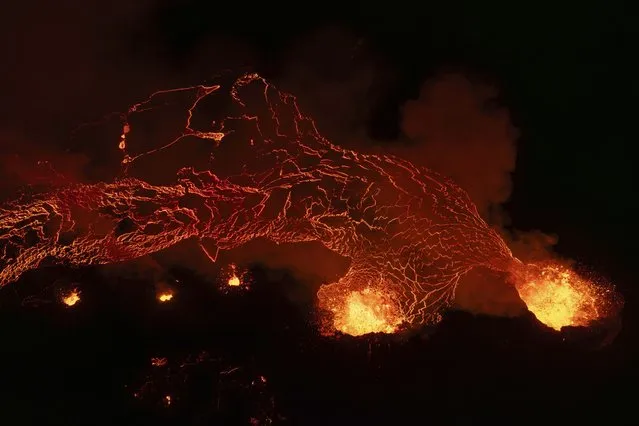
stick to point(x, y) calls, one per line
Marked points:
point(558, 297)
point(234, 281)
point(167, 400)
point(367, 311)
point(235, 278)
point(165, 296)
point(71, 298)
point(281, 180)
point(159, 361)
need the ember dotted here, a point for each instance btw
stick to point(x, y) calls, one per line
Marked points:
point(234, 280)
point(71, 298)
point(165, 296)
point(159, 362)
point(366, 311)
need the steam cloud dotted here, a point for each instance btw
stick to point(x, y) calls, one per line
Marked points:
point(458, 125)
point(459, 130)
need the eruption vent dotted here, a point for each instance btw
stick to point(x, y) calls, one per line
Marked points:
point(166, 296)
point(559, 297)
point(410, 233)
point(366, 311)
point(71, 298)
point(234, 280)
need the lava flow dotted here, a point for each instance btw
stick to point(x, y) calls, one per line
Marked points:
point(410, 233)
point(559, 297)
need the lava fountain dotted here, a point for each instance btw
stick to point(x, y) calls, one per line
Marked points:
point(559, 297)
point(165, 296)
point(71, 298)
point(234, 279)
point(410, 233)
point(367, 311)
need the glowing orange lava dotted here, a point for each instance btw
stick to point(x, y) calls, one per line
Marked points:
point(165, 296)
point(234, 281)
point(272, 175)
point(558, 297)
point(235, 278)
point(366, 311)
point(159, 361)
point(71, 298)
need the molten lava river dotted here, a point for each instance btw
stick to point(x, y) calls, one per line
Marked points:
point(410, 233)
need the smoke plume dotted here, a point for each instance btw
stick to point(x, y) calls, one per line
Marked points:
point(458, 128)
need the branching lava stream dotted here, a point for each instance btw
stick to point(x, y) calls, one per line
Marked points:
point(410, 233)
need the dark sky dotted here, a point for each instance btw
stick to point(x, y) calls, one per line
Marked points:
point(566, 74)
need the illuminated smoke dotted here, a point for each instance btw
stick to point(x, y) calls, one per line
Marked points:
point(411, 234)
point(459, 129)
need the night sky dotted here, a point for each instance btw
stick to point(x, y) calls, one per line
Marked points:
point(567, 77)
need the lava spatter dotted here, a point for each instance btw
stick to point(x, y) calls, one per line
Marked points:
point(71, 298)
point(559, 297)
